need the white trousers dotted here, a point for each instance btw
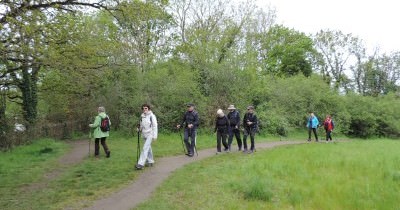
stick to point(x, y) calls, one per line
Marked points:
point(147, 153)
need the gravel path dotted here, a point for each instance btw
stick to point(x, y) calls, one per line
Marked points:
point(151, 177)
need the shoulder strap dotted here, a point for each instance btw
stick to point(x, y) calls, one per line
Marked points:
point(151, 120)
point(194, 113)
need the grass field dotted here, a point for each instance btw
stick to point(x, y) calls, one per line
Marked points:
point(345, 175)
point(348, 175)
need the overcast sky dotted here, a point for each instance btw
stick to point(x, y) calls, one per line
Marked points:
point(374, 21)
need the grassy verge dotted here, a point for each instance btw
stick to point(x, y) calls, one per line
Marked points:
point(349, 175)
point(23, 166)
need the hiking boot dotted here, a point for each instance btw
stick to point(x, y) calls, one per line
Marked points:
point(226, 150)
point(138, 167)
point(149, 164)
point(189, 154)
point(250, 151)
point(217, 153)
point(108, 154)
point(244, 150)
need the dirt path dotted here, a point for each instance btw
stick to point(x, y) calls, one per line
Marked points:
point(150, 178)
point(78, 152)
point(141, 188)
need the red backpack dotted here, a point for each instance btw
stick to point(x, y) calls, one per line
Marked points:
point(328, 124)
point(105, 124)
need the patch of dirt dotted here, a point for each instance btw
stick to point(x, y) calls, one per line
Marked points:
point(79, 150)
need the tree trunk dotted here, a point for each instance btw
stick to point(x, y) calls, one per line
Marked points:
point(4, 144)
point(28, 88)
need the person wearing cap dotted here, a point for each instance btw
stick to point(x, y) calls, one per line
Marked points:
point(250, 128)
point(221, 128)
point(191, 121)
point(234, 125)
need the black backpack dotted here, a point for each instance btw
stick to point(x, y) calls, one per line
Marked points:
point(105, 124)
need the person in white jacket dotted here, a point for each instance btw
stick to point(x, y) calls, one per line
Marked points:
point(148, 128)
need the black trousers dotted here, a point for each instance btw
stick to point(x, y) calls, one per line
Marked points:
point(328, 135)
point(221, 137)
point(97, 146)
point(314, 130)
point(190, 133)
point(233, 131)
point(247, 132)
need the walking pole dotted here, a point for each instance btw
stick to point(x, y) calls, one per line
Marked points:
point(183, 146)
point(195, 148)
point(190, 134)
point(90, 136)
point(138, 146)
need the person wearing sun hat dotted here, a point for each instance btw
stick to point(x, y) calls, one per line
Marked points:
point(234, 127)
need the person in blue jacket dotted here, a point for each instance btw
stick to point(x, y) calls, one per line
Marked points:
point(312, 125)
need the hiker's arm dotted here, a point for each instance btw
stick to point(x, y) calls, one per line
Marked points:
point(96, 122)
point(238, 120)
point(155, 127)
point(196, 122)
point(183, 121)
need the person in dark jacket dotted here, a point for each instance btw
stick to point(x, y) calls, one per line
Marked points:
point(250, 128)
point(234, 126)
point(191, 121)
point(221, 128)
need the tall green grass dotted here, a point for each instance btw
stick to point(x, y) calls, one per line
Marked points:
point(345, 175)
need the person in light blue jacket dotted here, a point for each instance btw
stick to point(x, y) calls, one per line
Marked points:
point(312, 125)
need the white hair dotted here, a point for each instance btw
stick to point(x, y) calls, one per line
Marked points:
point(101, 109)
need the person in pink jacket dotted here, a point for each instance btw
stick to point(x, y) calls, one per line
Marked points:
point(329, 126)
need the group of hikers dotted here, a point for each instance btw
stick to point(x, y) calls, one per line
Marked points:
point(227, 126)
point(313, 124)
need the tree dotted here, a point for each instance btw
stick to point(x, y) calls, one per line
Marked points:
point(378, 74)
point(288, 52)
point(27, 28)
point(144, 31)
point(77, 69)
point(336, 49)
